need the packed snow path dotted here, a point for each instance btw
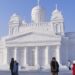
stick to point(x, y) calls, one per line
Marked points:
point(35, 73)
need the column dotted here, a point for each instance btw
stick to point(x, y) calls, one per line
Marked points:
point(15, 53)
point(25, 57)
point(46, 56)
point(36, 56)
point(58, 53)
point(5, 59)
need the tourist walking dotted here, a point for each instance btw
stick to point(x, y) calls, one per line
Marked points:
point(15, 69)
point(54, 66)
point(69, 64)
point(12, 66)
point(73, 68)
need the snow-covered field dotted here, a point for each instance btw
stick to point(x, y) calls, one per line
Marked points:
point(35, 73)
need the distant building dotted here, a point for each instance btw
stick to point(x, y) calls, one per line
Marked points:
point(34, 44)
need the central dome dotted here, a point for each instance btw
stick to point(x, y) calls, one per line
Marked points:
point(36, 8)
point(37, 14)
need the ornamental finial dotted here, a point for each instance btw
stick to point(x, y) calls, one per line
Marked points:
point(56, 6)
point(38, 1)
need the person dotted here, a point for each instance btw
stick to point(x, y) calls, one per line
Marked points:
point(15, 69)
point(54, 66)
point(73, 68)
point(69, 64)
point(11, 66)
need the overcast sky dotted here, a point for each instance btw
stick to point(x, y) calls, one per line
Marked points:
point(23, 9)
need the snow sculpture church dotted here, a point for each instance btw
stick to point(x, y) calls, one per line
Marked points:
point(34, 44)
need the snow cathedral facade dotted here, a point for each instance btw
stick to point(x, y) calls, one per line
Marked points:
point(34, 44)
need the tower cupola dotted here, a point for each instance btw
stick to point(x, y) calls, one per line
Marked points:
point(57, 15)
point(15, 19)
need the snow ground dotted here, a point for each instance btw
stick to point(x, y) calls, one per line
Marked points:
point(35, 73)
point(63, 71)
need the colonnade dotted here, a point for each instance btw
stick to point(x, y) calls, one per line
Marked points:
point(40, 56)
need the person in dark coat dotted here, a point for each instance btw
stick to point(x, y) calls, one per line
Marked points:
point(15, 69)
point(54, 66)
point(12, 66)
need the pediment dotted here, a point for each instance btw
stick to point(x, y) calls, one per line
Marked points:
point(29, 37)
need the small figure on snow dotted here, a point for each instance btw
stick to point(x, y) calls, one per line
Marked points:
point(73, 68)
point(69, 64)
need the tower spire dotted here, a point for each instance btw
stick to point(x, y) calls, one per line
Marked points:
point(38, 1)
point(56, 7)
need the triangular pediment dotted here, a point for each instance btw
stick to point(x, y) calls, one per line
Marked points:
point(30, 37)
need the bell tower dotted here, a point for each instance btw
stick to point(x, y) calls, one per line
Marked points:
point(14, 24)
point(57, 22)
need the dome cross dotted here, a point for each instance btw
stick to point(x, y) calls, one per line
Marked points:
point(38, 2)
point(56, 7)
